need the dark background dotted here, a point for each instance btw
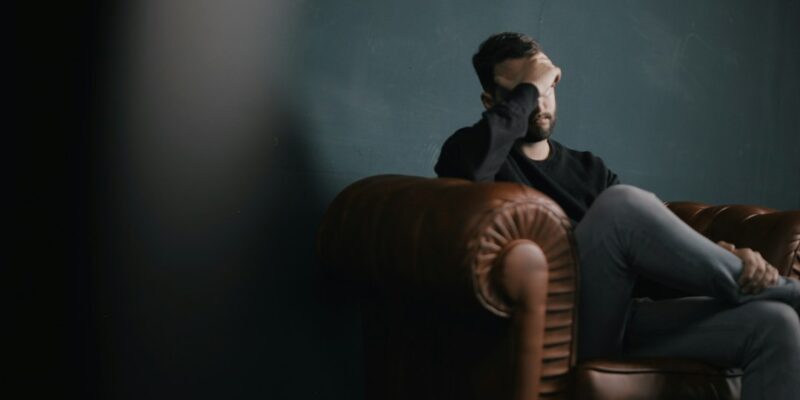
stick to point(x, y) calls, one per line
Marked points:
point(181, 154)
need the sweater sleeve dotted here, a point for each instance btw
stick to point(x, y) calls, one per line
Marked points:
point(476, 153)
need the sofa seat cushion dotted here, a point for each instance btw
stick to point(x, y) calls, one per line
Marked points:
point(655, 379)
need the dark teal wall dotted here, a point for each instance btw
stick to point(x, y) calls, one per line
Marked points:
point(691, 100)
point(203, 140)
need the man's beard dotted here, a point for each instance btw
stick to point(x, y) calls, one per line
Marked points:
point(538, 133)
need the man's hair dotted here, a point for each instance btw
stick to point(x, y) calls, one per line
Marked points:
point(498, 48)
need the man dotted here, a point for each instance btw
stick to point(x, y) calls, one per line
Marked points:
point(744, 315)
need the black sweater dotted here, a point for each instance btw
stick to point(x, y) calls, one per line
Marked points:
point(489, 151)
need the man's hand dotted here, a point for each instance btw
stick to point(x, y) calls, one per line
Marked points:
point(757, 274)
point(536, 69)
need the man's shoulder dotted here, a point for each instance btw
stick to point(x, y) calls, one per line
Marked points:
point(465, 137)
point(460, 132)
point(456, 135)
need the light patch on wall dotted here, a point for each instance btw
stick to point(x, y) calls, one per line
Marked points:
point(197, 82)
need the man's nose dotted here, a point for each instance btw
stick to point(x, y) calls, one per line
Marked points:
point(541, 103)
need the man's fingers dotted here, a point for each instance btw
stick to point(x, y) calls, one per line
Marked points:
point(754, 284)
point(769, 279)
point(759, 280)
point(748, 267)
point(776, 276)
point(727, 246)
point(761, 276)
point(753, 270)
point(757, 273)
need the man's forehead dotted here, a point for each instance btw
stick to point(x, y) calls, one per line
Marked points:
point(509, 65)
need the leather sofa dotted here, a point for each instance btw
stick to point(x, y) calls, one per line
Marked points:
point(469, 290)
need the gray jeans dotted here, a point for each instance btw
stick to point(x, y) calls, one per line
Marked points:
point(628, 232)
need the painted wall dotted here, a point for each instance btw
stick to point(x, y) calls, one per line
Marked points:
point(219, 131)
point(693, 101)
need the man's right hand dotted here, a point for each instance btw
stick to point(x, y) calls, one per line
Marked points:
point(536, 69)
point(757, 274)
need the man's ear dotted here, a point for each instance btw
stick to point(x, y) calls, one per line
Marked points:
point(487, 100)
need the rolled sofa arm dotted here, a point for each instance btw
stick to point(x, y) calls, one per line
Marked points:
point(775, 234)
point(469, 247)
point(440, 239)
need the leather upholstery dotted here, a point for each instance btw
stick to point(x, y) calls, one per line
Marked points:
point(437, 237)
point(653, 379)
point(427, 256)
point(468, 291)
point(775, 234)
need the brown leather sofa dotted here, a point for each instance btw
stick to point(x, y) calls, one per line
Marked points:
point(468, 291)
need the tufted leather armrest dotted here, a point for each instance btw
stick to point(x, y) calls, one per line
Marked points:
point(465, 247)
point(438, 238)
point(775, 234)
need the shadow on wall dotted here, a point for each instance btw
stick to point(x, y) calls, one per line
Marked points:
point(298, 329)
point(220, 297)
point(201, 279)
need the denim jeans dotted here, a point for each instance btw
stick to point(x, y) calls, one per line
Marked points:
point(627, 232)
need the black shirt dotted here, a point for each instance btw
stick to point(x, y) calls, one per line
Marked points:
point(490, 151)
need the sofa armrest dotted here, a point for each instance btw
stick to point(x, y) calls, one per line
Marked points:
point(465, 247)
point(440, 239)
point(775, 234)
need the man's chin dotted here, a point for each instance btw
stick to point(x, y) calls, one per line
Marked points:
point(533, 137)
point(539, 129)
point(538, 134)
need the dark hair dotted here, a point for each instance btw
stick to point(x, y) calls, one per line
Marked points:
point(496, 49)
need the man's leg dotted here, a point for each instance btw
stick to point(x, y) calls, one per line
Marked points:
point(760, 337)
point(627, 232)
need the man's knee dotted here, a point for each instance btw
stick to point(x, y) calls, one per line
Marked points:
point(777, 322)
point(622, 200)
point(623, 195)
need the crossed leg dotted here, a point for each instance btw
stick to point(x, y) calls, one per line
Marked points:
point(760, 337)
point(628, 232)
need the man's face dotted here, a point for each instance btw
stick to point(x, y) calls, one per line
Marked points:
point(543, 120)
